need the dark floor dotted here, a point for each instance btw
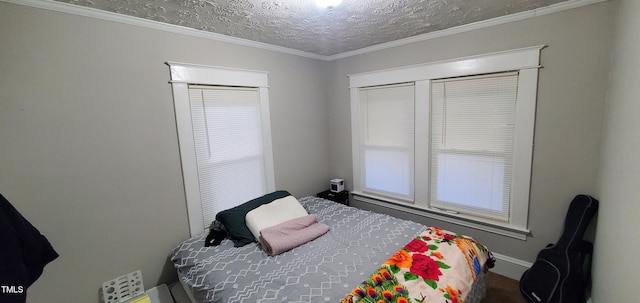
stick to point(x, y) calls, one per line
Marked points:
point(501, 289)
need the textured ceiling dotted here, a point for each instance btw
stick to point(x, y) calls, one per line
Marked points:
point(301, 25)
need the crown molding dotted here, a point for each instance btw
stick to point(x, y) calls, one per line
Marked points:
point(571, 4)
point(136, 21)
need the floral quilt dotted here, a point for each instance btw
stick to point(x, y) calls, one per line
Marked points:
point(435, 266)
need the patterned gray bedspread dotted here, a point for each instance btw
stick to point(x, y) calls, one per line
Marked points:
point(323, 270)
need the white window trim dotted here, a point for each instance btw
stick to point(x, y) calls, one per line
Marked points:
point(183, 74)
point(524, 60)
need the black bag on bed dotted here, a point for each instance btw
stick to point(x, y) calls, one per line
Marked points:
point(558, 274)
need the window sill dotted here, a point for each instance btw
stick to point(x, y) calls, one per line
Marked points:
point(503, 230)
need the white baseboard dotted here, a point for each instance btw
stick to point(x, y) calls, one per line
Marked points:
point(510, 267)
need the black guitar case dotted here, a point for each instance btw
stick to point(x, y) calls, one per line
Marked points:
point(558, 274)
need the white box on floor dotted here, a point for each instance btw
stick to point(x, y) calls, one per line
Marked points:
point(158, 294)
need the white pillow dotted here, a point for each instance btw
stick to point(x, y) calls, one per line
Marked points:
point(274, 213)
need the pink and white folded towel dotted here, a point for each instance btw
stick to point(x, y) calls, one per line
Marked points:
point(290, 234)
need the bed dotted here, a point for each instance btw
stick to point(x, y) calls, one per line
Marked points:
point(362, 256)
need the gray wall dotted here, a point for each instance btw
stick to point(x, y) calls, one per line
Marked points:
point(89, 154)
point(569, 116)
point(616, 247)
point(88, 144)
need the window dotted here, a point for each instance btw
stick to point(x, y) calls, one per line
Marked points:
point(472, 123)
point(450, 140)
point(387, 147)
point(224, 136)
point(228, 143)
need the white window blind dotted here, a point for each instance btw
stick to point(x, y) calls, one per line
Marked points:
point(472, 135)
point(229, 146)
point(473, 126)
point(387, 143)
